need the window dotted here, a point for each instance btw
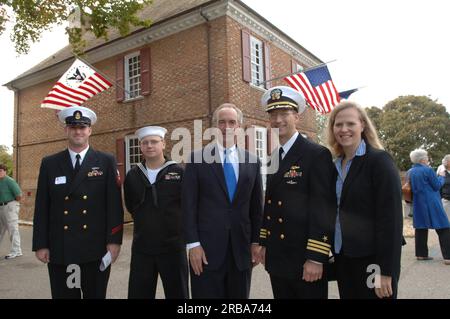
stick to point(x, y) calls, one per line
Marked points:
point(132, 152)
point(298, 68)
point(257, 62)
point(132, 76)
point(261, 150)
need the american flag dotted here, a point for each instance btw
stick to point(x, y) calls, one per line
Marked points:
point(75, 87)
point(317, 88)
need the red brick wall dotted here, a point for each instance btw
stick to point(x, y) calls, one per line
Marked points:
point(179, 94)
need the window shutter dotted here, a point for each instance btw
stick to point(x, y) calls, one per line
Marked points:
point(120, 83)
point(120, 154)
point(267, 72)
point(246, 58)
point(269, 141)
point(145, 71)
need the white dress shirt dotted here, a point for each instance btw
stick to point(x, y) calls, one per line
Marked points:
point(233, 156)
point(287, 146)
point(73, 156)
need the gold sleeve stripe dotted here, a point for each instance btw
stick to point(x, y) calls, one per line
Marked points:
point(263, 230)
point(318, 246)
point(319, 243)
point(263, 237)
point(318, 250)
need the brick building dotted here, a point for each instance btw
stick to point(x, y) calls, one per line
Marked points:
point(196, 55)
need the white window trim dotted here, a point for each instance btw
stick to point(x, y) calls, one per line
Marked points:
point(127, 78)
point(261, 64)
point(263, 131)
point(127, 151)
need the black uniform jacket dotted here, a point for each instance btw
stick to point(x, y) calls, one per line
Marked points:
point(370, 210)
point(156, 209)
point(77, 216)
point(299, 210)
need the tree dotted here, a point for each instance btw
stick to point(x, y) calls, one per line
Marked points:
point(410, 122)
point(31, 17)
point(6, 158)
point(322, 124)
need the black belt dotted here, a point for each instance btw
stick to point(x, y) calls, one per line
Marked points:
point(5, 203)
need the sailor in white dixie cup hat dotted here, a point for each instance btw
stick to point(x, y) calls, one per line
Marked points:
point(152, 192)
point(77, 116)
point(151, 130)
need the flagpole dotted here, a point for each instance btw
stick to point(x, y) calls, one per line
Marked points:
point(292, 73)
point(102, 74)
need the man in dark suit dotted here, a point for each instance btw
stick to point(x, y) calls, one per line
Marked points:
point(78, 217)
point(222, 207)
point(299, 204)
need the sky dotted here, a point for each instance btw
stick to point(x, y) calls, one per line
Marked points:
point(390, 48)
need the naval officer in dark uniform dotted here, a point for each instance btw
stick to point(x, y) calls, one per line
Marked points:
point(78, 217)
point(153, 197)
point(299, 205)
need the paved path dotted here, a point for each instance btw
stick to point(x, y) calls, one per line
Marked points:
point(25, 277)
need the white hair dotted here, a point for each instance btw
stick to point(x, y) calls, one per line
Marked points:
point(446, 159)
point(240, 116)
point(417, 155)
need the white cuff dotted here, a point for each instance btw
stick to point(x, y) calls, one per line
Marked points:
point(192, 245)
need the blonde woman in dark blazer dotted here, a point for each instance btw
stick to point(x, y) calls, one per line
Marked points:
point(368, 232)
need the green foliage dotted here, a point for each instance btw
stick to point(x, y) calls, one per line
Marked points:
point(411, 122)
point(322, 124)
point(6, 158)
point(31, 17)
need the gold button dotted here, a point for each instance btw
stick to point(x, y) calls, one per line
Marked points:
point(66, 212)
point(84, 226)
point(269, 202)
point(66, 198)
point(268, 232)
point(84, 197)
point(268, 217)
point(280, 220)
point(282, 236)
point(279, 203)
point(85, 212)
point(66, 227)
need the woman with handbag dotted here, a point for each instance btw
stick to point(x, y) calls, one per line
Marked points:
point(428, 210)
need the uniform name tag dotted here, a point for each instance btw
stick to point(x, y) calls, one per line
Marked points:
point(60, 180)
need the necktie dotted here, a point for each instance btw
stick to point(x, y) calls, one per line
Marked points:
point(77, 165)
point(280, 154)
point(230, 177)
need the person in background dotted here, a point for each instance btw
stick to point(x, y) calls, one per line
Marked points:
point(10, 195)
point(427, 205)
point(445, 190)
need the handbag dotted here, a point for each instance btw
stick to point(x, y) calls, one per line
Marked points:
point(407, 192)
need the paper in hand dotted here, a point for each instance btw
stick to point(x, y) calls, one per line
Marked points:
point(106, 261)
